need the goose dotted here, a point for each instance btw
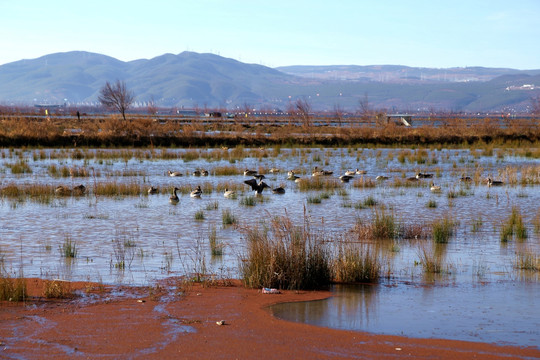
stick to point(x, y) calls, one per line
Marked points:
point(229, 193)
point(278, 190)
point(345, 178)
point(321, 172)
point(196, 173)
point(173, 199)
point(381, 177)
point(413, 178)
point(79, 190)
point(350, 172)
point(248, 172)
point(360, 172)
point(62, 190)
point(197, 192)
point(434, 187)
point(292, 176)
point(259, 176)
point(494, 182)
point(258, 187)
point(274, 170)
point(424, 176)
point(174, 173)
point(153, 190)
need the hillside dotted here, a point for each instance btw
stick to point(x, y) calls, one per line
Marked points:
point(205, 80)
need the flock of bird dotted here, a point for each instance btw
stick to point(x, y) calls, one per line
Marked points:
point(258, 185)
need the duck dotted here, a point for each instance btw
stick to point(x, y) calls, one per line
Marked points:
point(434, 187)
point(381, 177)
point(174, 173)
point(494, 182)
point(345, 178)
point(274, 170)
point(196, 173)
point(278, 190)
point(257, 187)
point(350, 172)
point(229, 193)
point(204, 172)
point(197, 192)
point(413, 178)
point(153, 190)
point(292, 176)
point(248, 172)
point(465, 179)
point(173, 199)
point(360, 172)
point(424, 176)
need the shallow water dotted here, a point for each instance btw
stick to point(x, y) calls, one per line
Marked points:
point(165, 239)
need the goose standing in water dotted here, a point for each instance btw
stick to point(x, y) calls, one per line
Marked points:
point(173, 199)
point(174, 173)
point(153, 190)
point(229, 193)
point(257, 187)
point(197, 192)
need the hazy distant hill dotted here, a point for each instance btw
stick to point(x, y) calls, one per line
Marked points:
point(191, 79)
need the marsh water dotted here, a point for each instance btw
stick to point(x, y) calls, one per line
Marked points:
point(480, 296)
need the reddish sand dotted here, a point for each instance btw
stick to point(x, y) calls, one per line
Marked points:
point(164, 323)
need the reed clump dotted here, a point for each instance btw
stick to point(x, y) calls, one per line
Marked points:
point(355, 263)
point(514, 226)
point(527, 260)
point(285, 256)
point(228, 218)
point(319, 183)
point(442, 229)
point(57, 289)
point(12, 289)
point(432, 261)
point(68, 248)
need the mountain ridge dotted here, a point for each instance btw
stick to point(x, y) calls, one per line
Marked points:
point(190, 79)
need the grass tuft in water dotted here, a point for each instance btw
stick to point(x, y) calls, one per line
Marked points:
point(356, 264)
point(285, 256)
point(527, 260)
point(68, 249)
point(442, 230)
point(514, 226)
point(227, 217)
point(199, 215)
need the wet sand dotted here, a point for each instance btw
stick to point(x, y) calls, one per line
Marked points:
point(175, 321)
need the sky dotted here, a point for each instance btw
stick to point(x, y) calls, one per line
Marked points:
point(430, 33)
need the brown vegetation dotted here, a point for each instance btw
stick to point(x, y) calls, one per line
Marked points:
point(142, 130)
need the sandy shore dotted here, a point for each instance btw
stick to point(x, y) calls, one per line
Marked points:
point(172, 321)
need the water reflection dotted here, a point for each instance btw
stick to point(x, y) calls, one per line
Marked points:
point(503, 312)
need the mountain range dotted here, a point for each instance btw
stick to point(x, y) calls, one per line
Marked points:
point(192, 80)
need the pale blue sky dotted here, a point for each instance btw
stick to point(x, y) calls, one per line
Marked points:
point(427, 33)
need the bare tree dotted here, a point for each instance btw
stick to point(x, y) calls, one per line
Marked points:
point(338, 113)
point(365, 109)
point(116, 96)
point(303, 107)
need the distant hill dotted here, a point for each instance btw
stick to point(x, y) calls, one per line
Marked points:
point(205, 80)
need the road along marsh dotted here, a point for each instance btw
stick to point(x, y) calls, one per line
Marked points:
point(426, 218)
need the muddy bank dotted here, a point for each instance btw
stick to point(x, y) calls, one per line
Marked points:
point(175, 320)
